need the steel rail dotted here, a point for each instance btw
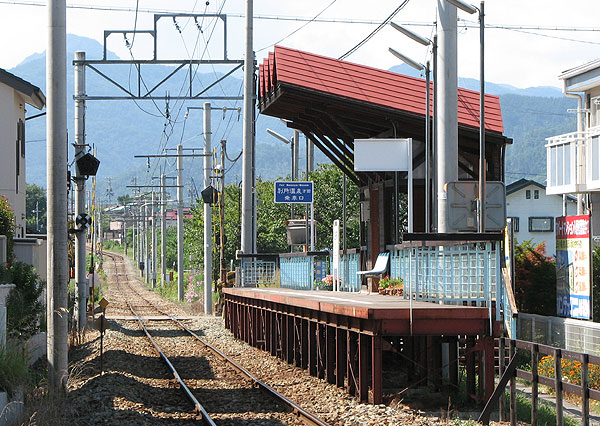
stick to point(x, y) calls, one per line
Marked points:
point(197, 406)
point(304, 415)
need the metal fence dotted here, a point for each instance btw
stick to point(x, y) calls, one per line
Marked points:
point(254, 272)
point(564, 333)
point(452, 273)
point(297, 270)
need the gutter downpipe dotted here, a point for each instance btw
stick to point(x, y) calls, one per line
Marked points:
point(579, 152)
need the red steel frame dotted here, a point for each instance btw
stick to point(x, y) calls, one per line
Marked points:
point(344, 344)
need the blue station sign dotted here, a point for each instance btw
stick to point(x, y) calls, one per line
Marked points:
point(294, 192)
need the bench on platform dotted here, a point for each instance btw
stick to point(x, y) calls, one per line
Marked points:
point(380, 267)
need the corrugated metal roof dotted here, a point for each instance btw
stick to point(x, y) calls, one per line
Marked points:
point(367, 84)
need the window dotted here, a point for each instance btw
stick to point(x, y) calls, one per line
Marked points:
point(528, 194)
point(515, 223)
point(536, 194)
point(541, 224)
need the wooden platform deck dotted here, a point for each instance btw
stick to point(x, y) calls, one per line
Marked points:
point(340, 336)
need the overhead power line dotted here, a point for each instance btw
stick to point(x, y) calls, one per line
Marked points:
point(375, 31)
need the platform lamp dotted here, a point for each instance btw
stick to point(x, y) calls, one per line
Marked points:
point(291, 143)
point(469, 8)
point(420, 67)
point(429, 131)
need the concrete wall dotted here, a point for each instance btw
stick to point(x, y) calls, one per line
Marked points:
point(517, 205)
point(12, 108)
point(33, 252)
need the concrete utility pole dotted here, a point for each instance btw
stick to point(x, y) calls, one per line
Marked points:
point(180, 289)
point(80, 255)
point(208, 308)
point(163, 229)
point(248, 213)
point(154, 254)
point(447, 142)
point(56, 149)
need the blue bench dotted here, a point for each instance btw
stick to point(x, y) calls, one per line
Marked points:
point(380, 267)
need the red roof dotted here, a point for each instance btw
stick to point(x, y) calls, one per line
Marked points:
point(367, 84)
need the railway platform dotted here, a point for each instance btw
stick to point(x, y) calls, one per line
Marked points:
point(341, 337)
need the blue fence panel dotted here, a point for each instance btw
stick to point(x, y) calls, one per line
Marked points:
point(349, 266)
point(296, 272)
point(451, 274)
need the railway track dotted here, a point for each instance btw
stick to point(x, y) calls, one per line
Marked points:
point(230, 394)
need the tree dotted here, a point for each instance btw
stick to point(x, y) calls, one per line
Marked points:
point(535, 279)
point(7, 226)
point(35, 209)
point(328, 181)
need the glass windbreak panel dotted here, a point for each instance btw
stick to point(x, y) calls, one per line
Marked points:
point(552, 166)
point(559, 162)
point(594, 163)
point(567, 162)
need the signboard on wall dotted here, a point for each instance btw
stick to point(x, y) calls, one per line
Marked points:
point(573, 266)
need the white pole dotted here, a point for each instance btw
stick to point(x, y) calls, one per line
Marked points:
point(482, 194)
point(80, 255)
point(56, 164)
point(208, 307)
point(247, 231)
point(180, 289)
point(447, 143)
point(154, 254)
point(163, 229)
point(312, 226)
point(410, 186)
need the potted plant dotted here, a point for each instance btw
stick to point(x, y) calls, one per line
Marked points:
point(391, 286)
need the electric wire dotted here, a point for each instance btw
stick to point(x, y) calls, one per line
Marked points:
point(375, 31)
point(299, 28)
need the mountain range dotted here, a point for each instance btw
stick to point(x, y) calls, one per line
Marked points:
point(119, 130)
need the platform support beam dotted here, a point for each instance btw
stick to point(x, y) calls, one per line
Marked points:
point(331, 353)
point(340, 356)
point(376, 364)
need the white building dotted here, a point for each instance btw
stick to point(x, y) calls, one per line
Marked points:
point(573, 159)
point(534, 212)
point(15, 94)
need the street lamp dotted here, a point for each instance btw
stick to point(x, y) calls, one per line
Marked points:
point(469, 8)
point(420, 67)
point(429, 152)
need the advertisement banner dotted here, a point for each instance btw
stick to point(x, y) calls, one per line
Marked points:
point(573, 266)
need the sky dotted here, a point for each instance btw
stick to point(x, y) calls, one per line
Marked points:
point(520, 48)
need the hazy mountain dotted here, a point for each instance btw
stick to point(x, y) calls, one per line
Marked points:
point(119, 130)
point(491, 88)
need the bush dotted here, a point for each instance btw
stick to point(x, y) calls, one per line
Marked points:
point(24, 310)
point(7, 226)
point(596, 284)
point(14, 370)
point(535, 279)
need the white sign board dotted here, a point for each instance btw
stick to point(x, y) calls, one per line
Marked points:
point(386, 155)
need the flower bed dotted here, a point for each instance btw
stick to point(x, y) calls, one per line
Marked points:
point(391, 286)
point(571, 371)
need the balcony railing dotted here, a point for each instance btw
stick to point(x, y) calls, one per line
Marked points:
point(573, 162)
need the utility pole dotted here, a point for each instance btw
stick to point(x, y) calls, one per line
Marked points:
point(80, 255)
point(180, 289)
point(248, 213)
point(223, 271)
point(154, 254)
point(447, 142)
point(180, 257)
point(163, 229)
point(56, 148)
point(208, 308)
